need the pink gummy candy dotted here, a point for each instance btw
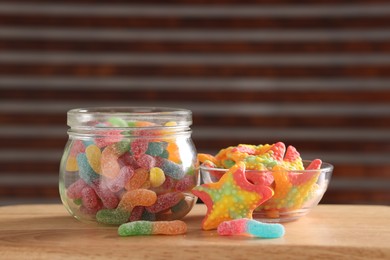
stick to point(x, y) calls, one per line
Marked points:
point(125, 174)
point(139, 146)
point(75, 189)
point(146, 161)
point(109, 199)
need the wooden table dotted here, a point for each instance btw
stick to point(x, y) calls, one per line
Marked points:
point(329, 231)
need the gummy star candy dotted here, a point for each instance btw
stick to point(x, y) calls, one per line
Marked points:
point(232, 197)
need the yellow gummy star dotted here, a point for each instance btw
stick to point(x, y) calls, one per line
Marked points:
point(232, 197)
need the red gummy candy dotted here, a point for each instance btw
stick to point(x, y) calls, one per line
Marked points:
point(165, 201)
point(128, 160)
point(278, 150)
point(139, 146)
point(110, 137)
point(186, 184)
point(76, 148)
point(75, 189)
point(108, 198)
point(146, 161)
point(136, 213)
point(89, 198)
point(291, 154)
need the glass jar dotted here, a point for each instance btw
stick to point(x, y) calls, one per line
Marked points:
point(123, 164)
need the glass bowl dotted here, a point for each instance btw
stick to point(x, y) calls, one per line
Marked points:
point(296, 192)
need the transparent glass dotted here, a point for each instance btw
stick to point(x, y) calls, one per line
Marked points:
point(123, 164)
point(295, 192)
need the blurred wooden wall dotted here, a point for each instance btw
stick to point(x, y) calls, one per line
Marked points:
point(314, 74)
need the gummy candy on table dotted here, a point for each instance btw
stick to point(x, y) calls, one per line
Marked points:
point(139, 228)
point(232, 197)
point(245, 226)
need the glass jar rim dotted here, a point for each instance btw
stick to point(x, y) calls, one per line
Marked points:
point(92, 116)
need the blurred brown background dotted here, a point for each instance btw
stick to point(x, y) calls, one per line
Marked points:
point(314, 74)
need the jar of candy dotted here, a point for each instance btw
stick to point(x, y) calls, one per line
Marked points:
point(124, 164)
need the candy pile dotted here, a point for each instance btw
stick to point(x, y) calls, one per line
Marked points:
point(121, 175)
point(271, 166)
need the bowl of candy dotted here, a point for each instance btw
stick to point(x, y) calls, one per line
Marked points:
point(297, 185)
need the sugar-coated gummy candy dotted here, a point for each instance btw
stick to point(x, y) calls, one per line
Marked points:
point(146, 161)
point(140, 228)
point(124, 176)
point(172, 169)
point(156, 177)
point(112, 216)
point(85, 170)
point(108, 198)
point(128, 160)
point(165, 201)
point(109, 158)
point(156, 148)
point(136, 213)
point(89, 198)
point(71, 164)
point(146, 215)
point(93, 154)
point(250, 227)
point(75, 189)
point(139, 147)
point(186, 183)
point(138, 197)
point(139, 177)
point(108, 137)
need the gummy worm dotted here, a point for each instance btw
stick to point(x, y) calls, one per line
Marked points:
point(143, 227)
point(251, 227)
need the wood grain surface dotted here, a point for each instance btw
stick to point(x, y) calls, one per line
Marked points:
point(329, 231)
